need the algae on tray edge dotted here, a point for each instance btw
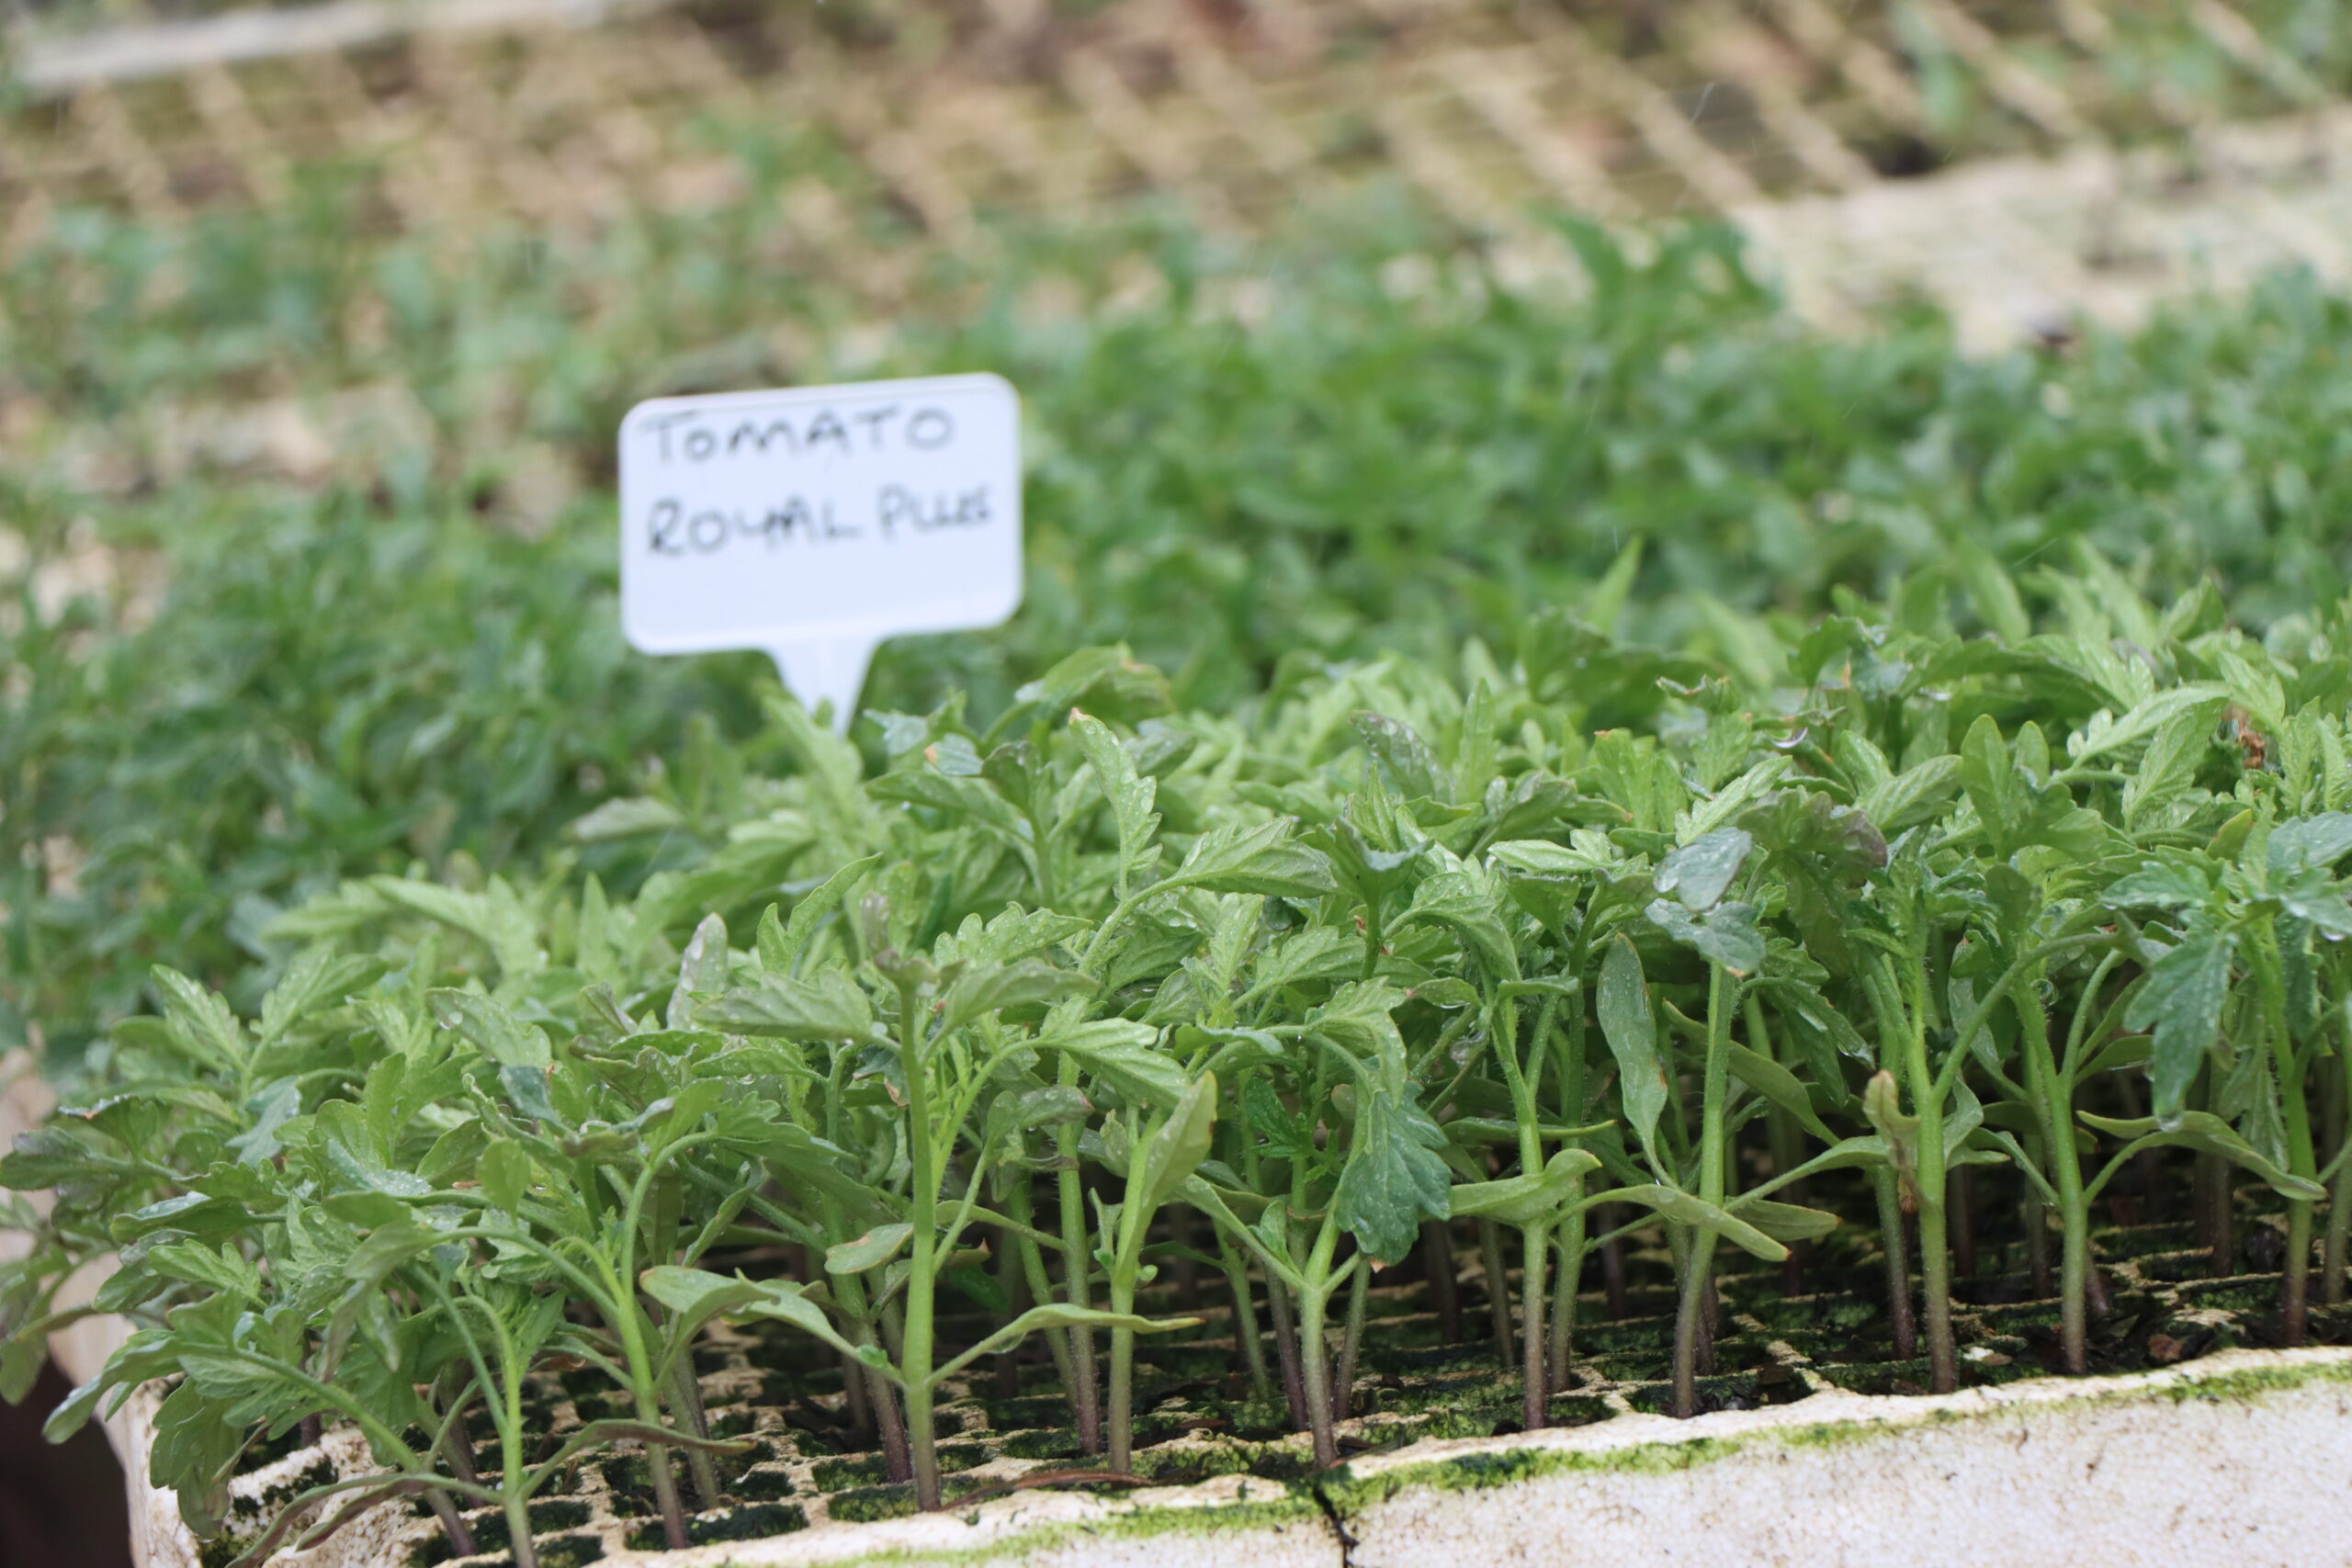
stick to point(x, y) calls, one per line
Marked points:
point(1845, 1420)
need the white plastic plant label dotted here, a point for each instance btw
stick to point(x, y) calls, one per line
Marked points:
point(815, 522)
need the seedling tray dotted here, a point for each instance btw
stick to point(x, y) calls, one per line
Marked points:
point(1815, 1447)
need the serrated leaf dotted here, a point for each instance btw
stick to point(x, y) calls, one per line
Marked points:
point(1700, 873)
point(1411, 766)
point(986, 988)
point(782, 943)
point(1725, 934)
point(1993, 785)
point(1263, 859)
point(2169, 766)
point(1393, 1177)
point(1130, 795)
point(484, 1022)
point(1470, 903)
point(703, 970)
point(2310, 843)
point(829, 1006)
point(1912, 797)
point(1124, 1055)
point(2180, 1001)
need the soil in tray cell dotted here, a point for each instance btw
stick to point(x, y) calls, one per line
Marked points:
point(1740, 1391)
point(751, 1522)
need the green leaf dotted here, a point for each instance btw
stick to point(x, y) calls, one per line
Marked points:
point(784, 1302)
point(625, 818)
point(2169, 766)
point(2180, 999)
point(2158, 885)
point(1122, 1054)
point(368, 1210)
point(1057, 1314)
point(871, 1250)
point(702, 970)
point(2311, 843)
point(1993, 785)
point(1538, 858)
point(1130, 795)
point(1685, 1209)
point(1700, 873)
point(990, 987)
point(526, 1090)
point(490, 1028)
point(1265, 860)
point(505, 1172)
point(695, 1296)
point(317, 978)
point(1990, 590)
point(1525, 1199)
point(828, 1008)
point(1413, 769)
point(199, 1023)
point(1176, 1150)
point(1781, 1087)
point(1393, 1177)
point(1912, 797)
point(1470, 901)
point(1630, 1026)
point(225, 1269)
point(1786, 1222)
point(783, 945)
point(2207, 1134)
point(270, 1109)
point(1725, 934)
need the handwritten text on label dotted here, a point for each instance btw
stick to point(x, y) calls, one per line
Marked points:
point(829, 517)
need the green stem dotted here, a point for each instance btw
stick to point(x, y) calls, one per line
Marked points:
point(1287, 1350)
point(1535, 1253)
point(1134, 1217)
point(1033, 1270)
point(1698, 1261)
point(2053, 1105)
point(1571, 1247)
point(1935, 1256)
point(1245, 1318)
point(1078, 1259)
point(1573, 1231)
point(518, 1532)
point(1315, 1356)
point(689, 1398)
point(2339, 1192)
point(1490, 1259)
point(1699, 1267)
point(1895, 1247)
point(2294, 1280)
point(915, 1360)
point(1343, 1387)
point(1121, 1427)
point(1534, 1239)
